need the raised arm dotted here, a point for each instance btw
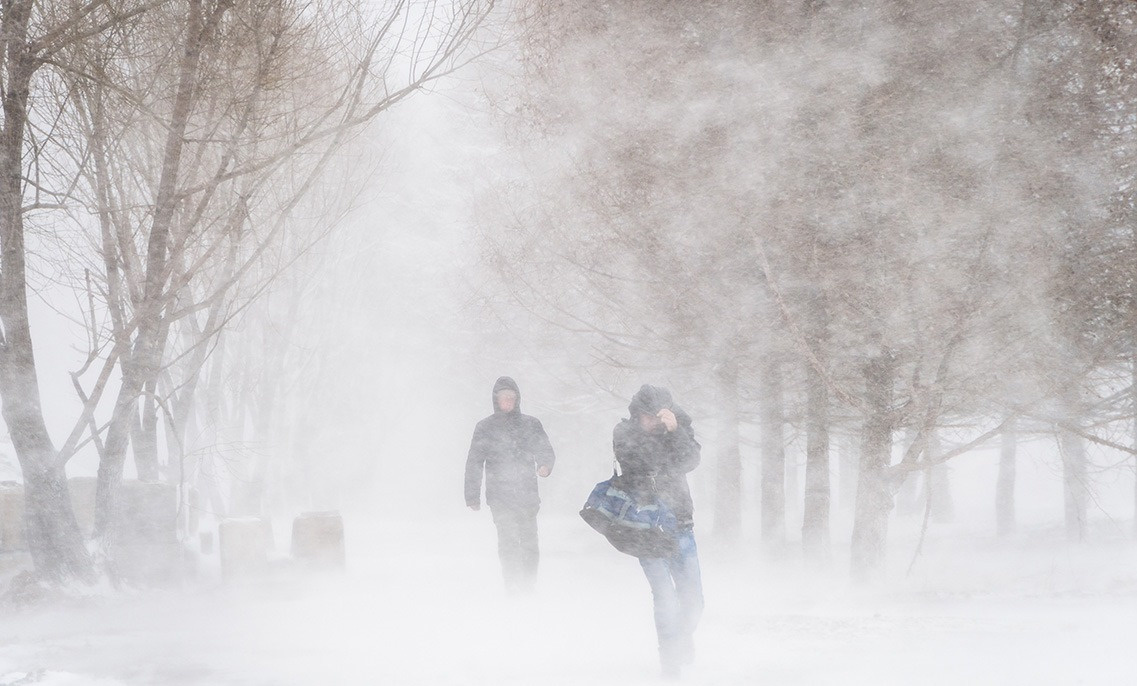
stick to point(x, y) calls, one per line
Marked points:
point(686, 451)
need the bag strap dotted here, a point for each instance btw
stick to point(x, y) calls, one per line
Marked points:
point(651, 477)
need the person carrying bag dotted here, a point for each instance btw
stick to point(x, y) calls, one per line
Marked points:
point(640, 528)
point(655, 448)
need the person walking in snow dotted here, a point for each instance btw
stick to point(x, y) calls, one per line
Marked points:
point(512, 450)
point(656, 448)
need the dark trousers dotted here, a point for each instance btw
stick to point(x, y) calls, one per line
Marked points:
point(517, 546)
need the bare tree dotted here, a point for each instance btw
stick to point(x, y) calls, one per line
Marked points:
point(33, 35)
point(191, 131)
point(884, 200)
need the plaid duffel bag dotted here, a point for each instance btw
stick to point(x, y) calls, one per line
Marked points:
point(640, 529)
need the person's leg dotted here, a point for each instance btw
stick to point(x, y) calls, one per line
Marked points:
point(689, 589)
point(509, 552)
point(668, 617)
point(530, 554)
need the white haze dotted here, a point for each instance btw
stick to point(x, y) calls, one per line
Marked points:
point(421, 601)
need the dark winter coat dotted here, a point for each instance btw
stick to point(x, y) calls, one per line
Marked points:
point(508, 447)
point(657, 463)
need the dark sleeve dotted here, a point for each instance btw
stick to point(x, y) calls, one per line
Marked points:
point(685, 450)
point(542, 449)
point(475, 466)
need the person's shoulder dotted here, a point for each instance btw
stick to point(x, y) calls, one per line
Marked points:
point(530, 419)
point(623, 428)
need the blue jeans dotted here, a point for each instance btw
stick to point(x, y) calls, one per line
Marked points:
point(677, 594)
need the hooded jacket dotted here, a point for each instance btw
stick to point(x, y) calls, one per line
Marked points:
point(657, 463)
point(508, 447)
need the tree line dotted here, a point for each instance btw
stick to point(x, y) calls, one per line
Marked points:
point(164, 161)
point(905, 225)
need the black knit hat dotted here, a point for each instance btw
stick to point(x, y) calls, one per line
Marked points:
point(649, 400)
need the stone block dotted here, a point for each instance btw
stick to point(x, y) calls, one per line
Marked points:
point(12, 518)
point(244, 544)
point(317, 539)
point(146, 548)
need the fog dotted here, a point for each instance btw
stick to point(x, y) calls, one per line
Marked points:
point(766, 211)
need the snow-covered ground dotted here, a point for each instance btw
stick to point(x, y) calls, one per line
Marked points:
point(422, 603)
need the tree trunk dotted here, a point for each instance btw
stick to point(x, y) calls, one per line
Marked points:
point(178, 425)
point(938, 487)
point(145, 438)
point(913, 489)
point(1005, 486)
point(874, 491)
point(183, 397)
point(53, 535)
point(793, 490)
point(109, 475)
point(815, 518)
point(215, 424)
point(143, 363)
point(728, 491)
point(848, 467)
point(772, 415)
point(1075, 487)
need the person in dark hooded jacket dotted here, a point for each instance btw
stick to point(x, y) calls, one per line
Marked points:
point(512, 450)
point(656, 448)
